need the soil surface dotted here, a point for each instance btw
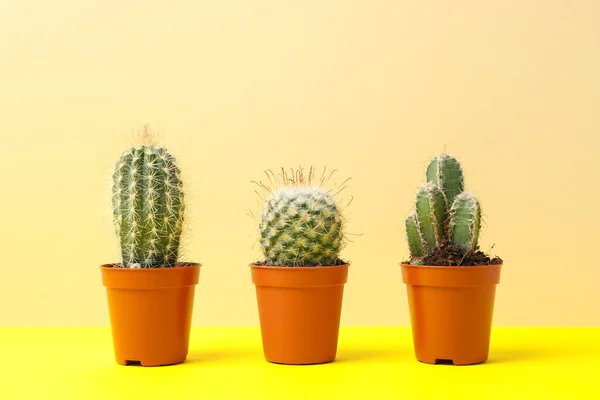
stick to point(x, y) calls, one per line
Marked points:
point(451, 255)
point(263, 263)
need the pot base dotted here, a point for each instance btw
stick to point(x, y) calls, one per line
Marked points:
point(150, 363)
point(458, 362)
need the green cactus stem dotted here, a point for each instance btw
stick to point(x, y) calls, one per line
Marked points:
point(445, 172)
point(148, 207)
point(431, 215)
point(465, 221)
point(301, 226)
point(416, 244)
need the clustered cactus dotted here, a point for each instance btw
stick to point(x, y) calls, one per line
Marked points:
point(148, 205)
point(301, 225)
point(444, 213)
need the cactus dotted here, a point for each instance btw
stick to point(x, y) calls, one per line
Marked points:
point(445, 172)
point(301, 226)
point(431, 215)
point(444, 213)
point(413, 235)
point(148, 207)
point(465, 221)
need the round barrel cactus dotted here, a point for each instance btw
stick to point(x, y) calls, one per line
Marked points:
point(148, 207)
point(301, 226)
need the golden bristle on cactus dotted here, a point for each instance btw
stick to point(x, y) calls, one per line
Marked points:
point(145, 135)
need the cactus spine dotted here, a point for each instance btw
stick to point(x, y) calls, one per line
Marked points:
point(465, 221)
point(301, 226)
point(445, 172)
point(148, 207)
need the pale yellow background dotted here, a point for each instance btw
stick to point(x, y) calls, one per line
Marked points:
point(372, 88)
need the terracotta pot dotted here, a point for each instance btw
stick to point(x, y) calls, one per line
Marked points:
point(150, 312)
point(451, 311)
point(299, 310)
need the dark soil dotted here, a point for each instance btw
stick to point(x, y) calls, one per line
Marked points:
point(451, 255)
point(263, 263)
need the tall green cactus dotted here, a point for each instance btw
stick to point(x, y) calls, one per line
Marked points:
point(445, 172)
point(465, 221)
point(148, 207)
point(301, 226)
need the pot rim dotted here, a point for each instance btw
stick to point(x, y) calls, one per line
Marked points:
point(447, 267)
point(299, 277)
point(451, 276)
point(147, 270)
point(282, 267)
point(150, 278)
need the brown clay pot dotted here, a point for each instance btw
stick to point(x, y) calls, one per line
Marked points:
point(299, 310)
point(150, 312)
point(451, 311)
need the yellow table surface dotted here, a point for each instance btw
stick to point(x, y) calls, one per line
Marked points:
point(227, 362)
